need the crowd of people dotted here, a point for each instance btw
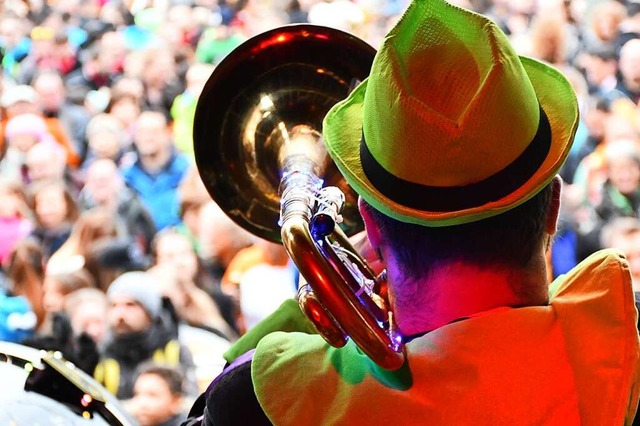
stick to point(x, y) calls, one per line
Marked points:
point(111, 248)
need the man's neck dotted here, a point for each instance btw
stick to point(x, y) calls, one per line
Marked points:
point(458, 291)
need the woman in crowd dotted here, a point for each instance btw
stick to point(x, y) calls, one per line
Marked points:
point(94, 229)
point(55, 212)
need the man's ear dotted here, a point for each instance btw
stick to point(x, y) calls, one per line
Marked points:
point(554, 207)
point(373, 231)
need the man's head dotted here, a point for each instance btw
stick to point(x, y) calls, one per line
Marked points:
point(134, 303)
point(152, 139)
point(630, 64)
point(46, 161)
point(103, 182)
point(599, 64)
point(51, 91)
point(451, 126)
point(87, 310)
point(508, 240)
point(174, 249)
point(105, 136)
point(623, 165)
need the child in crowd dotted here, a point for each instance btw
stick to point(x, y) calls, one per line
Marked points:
point(157, 399)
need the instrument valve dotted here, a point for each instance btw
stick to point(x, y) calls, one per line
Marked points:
point(329, 204)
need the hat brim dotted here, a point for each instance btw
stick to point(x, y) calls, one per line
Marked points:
point(342, 133)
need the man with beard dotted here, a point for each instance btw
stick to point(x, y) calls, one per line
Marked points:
point(140, 331)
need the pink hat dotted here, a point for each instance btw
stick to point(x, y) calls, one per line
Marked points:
point(27, 124)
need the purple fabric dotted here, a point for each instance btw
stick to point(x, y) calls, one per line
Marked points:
point(242, 359)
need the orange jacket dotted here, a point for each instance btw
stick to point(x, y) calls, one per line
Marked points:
point(575, 361)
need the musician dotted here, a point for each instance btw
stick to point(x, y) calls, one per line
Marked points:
point(453, 144)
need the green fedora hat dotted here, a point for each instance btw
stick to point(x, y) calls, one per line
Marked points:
point(451, 126)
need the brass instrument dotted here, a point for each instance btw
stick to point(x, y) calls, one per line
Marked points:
point(260, 154)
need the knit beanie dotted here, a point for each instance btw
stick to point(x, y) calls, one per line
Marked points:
point(140, 287)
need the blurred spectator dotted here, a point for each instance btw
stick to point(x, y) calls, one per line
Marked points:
point(605, 18)
point(58, 336)
point(216, 42)
point(50, 50)
point(22, 133)
point(46, 162)
point(295, 13)
point(102, 63)
point(619, 192)
point(207, 346)
point(87, 312)
point(138, 332)
point(114, 14)
point(14, 42)
point(160, 79)
point(93, 229)
point(125, 104)
point(183, 108)
point(18, 100)
point(260, 277)
point(630, 27)
point(104, 188)
point(159, 169)
point(180, 31)
point(106, 138)
point(129, 84)
point(57, 285)
point(193, 197)
point(549, 37)
point(53, 101)
point(23, 99)
point(253, 16)
point(624, 234)
point(591, 172)
point(158, 396)
point(193, 304)
point(17, 320)
point(15, 217)
point(25, 275)
point(597, 112)
point(220, 239)
point(629, 81)
point(621, 189)
point(600, 64)
point(581, 137)
point(55, 212)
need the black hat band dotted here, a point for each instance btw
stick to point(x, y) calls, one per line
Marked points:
point(454, 198)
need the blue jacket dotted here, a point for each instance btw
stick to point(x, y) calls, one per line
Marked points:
point(159, 192)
